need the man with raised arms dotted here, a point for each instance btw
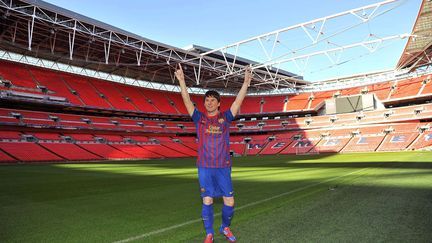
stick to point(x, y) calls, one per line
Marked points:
point(214, 160)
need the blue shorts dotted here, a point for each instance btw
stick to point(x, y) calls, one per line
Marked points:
point(215, 182)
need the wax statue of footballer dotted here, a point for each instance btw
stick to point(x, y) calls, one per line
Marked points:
point(214, 161)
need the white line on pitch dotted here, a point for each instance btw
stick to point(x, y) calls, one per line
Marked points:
point(237, 208)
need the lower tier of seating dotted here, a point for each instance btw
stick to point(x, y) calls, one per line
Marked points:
point(28, 151)
point(51, 147)
point(70, 151)
point(39, 146)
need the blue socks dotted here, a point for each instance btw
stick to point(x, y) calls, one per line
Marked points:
point(207, 216)
point(227, 214)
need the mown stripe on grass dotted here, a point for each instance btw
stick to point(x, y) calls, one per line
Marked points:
point(145, 235)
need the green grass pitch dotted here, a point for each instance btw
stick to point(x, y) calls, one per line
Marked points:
point(369, 197)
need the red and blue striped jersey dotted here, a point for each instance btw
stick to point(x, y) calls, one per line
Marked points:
point(213, 139)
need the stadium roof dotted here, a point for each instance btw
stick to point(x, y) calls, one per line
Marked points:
point(39, 29)
point(418, 50)
point(240, 60)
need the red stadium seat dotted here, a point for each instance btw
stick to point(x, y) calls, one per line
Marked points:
point(70, 151)
point(5, 158)
point(55, 84)
point(364, 143)
point(19, 75)
point(424, 140)
point(112, 94)
point(298, 102)
point(26, 151)
point(407, 88)
point(137, 97)
point(253, 105)
point(105, 151)
point(397, 141)
point(274, 103)
point(137, 151)
point(86, 92)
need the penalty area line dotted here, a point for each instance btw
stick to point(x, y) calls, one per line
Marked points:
point(237, 208)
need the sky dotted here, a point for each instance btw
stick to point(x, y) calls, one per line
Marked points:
point(215, 24)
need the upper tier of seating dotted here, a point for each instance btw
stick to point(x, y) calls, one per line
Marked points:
point(89, 92)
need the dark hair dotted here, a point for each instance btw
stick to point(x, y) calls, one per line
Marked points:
point(212, 93)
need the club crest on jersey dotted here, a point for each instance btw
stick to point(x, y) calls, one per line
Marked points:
point(221, 120)
point(213, 130)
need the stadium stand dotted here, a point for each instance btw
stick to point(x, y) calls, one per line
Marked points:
point(366, 143)
point(332, 144)
point(427, 88)
point(407, 88)
point(70, 151)
point(177, 145)
point(278, 144)
point(318, 98)
point(253, 106)
point(424, 140)
point(82, 137)
point(105, 151)
point(91, 92)
point(26, 151)
point(46, 136)
point(237, 145)
point(177, 102)
point(160, 101)
point(10, 135)
point(76, 121)
point(238, 148)
point(111, 138)
point(381, 91)
point(86, 92)
point(256, 144)
point(62, 116)
point(19, 76)
point(389, 129)
point(198, 101)
point(274, 103)
point(163, 150)
point(298, 102)
point(140, 139)
point(5, 158)
point(135, 95)
point(7, 118)
point(397, 141)
point(55, 85)
point(112, 94)
point(350, 91)
point(371, 129)
point(137, 151)
point(189, 142)
point(301, 146)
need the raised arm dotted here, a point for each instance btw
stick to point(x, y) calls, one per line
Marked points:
point(242, 93)
point(184, 93)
